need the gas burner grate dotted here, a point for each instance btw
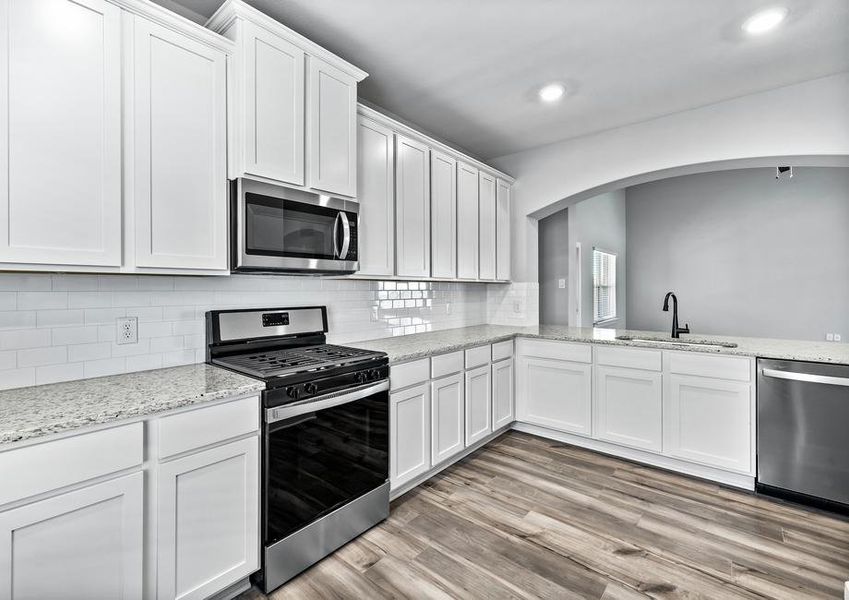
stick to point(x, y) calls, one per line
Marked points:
point(274, 363)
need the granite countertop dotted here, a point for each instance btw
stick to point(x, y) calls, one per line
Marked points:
point(32, 412)
point(421, 345)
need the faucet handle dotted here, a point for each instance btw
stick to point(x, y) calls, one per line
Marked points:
point(685, 329)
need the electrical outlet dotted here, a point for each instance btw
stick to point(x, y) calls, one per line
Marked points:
point(517, 307)
point(836, 337)
point(127, 330)
point(561, 283)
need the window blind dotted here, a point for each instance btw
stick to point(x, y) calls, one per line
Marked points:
point(604, 286)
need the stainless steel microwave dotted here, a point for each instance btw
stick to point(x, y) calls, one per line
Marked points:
point(275, 228)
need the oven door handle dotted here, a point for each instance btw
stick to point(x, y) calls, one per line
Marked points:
point(272, 415)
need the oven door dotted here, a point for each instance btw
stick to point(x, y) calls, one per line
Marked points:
point(282, 229)
point(323, 454)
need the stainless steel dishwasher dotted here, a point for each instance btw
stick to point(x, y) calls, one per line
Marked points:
point(803, 430)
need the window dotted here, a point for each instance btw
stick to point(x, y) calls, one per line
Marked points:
point(604, 286)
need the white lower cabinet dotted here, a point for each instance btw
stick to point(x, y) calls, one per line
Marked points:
point(86, 543)
point(628, 406)
point(208, 534)
point(709, 421)
point(502, 393)
point(409, 434)
point(447, 417)
point(555, 393)
point(478, 404)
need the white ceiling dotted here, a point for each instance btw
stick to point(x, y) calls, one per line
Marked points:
point(467, 70)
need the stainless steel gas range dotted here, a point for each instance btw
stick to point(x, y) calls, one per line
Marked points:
point(325, 459)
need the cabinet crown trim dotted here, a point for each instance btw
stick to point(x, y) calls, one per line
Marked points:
point(232, 10)
point(167, 18)
point(420, 136)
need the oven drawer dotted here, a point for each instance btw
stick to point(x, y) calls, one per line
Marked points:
point(208, 425)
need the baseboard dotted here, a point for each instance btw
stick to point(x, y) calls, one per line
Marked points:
point(406, 487)
point(738, 480)
point(234, 590)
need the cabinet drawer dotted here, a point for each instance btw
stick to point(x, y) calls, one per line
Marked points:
point(556, 350)
point(477, 357)
point(197, 428)
point(446, 364)
point(704, 365)
point(55, 464)
point(409, 373)
point(502, 350)
point(631, 358)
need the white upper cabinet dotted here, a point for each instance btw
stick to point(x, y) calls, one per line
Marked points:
point(467, 221)
point(60, 132)
point(443, 210)
point(294, 105)
point(486, 212)
point(502, 230)
point(376, 195)
point(272, 95)
point(178, 163)
point(331, 129)
point(412, 207)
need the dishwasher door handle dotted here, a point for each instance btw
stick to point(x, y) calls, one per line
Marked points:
point(806, 377)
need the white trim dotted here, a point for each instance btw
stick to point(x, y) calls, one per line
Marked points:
point(170, 19)
point(745, 482)
point(237, 9)
point(407, 131)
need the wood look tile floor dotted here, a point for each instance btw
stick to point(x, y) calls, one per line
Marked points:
point(530, 518)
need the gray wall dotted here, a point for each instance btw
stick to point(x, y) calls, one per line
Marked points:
point(600, 222)
point(746, 254)
point(554, 265)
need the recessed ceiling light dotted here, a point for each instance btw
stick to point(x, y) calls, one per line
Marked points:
point(765, 20)
point(552, 92)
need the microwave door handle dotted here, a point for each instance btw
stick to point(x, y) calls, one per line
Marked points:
point(336, 252)
point(346, 236)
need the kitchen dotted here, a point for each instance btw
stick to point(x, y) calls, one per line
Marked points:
point(273, 324)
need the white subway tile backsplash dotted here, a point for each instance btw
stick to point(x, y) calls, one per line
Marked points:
point(17, 319)
point(74, 335)
point(24, 338)
point(83, 352)
point(15, 378)
point(43, 316)
point(59, 318)
point(42, 300)
point(35, 357)
point(107, 366)
point(59, 372)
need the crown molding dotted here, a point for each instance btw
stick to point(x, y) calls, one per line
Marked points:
point(232, 10)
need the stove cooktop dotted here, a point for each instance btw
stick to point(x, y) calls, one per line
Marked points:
point(290, 361)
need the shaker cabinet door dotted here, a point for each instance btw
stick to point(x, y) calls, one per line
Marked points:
point(376, 195)
point(447, 403)
point(628, 407)
point(331, 129)
point(88, 543)
point(443, 209)
point(412, 207)
point(60, 132)
point(478, 404)
point(486, 229)
point(208, 522)
point(409, 434)
point(502, 393)
point(273, 119)
point(502, 230)
point(180, 151)
point(468, 249)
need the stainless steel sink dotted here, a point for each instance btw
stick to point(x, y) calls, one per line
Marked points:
point(671, 342)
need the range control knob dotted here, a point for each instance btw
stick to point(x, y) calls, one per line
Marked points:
point(374, 374)
point(311, 388)
point(293, 392)
point(362, 377)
